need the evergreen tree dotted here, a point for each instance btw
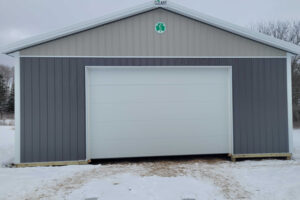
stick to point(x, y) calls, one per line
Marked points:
point(3, 95)
point(11, 100)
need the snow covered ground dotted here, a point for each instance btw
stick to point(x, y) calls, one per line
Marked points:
point(181, 179)
point(7, 141)
point(296, 138)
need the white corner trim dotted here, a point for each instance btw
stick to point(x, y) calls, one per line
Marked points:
point(289, 100)
point(17, 109)
point(87, 114)
point(230, 111)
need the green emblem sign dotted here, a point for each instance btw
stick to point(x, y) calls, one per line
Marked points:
point(160, 27)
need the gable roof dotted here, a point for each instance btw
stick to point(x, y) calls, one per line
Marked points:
point(244, 32)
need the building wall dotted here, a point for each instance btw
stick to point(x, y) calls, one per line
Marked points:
point(53, 103)
point(135, 36)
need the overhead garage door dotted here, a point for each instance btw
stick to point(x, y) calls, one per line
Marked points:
point(157, 111)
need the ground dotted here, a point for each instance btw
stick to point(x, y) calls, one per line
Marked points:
point(194, 178)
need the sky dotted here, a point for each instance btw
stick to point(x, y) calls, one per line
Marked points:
point(20, 19)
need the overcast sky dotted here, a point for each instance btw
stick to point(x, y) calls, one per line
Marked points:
point(20, 19)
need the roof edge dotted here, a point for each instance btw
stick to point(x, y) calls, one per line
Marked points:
point(235, 29)
point(78, 27)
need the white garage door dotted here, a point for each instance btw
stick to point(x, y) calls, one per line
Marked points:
point(157, 111)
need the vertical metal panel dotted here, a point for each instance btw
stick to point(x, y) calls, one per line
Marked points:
point(66, 109)
point(35, 110)
point(136, 36)
point(58, 109)
point(51, 109)
point(81, 109)
point(53, 104)
point(255, 101)
point(73, 109)
point(43, 110)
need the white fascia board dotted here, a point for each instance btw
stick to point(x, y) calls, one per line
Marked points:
point(244, 32)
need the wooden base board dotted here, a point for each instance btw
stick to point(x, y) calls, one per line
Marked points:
point(288, 156)
point(56, 163)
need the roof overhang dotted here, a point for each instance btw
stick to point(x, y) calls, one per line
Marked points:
point(244, 32)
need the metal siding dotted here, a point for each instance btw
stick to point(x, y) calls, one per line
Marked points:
point(43, 111)
point(51, 109)
point(53, 104)
point(81, 110)
point(35, 109)
point(58, 109)
point(135, 36)
point(255, 109)
point(66, 109)
point(73, 109)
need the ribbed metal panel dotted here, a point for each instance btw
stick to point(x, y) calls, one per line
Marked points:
point(53, 104)
point(136, 36)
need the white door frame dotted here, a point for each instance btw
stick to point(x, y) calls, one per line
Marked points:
point(87, 106)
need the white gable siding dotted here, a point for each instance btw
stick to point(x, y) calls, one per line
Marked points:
point(135, 36)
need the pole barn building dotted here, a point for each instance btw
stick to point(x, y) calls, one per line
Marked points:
point(154, 80)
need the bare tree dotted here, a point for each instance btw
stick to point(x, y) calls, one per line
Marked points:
point(290, 32)
point(6, 90)
point(7, 74)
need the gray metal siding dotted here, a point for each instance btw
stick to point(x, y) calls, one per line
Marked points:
point(53, 103)
point(135, 36)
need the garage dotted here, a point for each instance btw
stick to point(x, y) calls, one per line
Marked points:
point(152, 80)
point(152, 111)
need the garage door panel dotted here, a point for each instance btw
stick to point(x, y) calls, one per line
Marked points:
point(125, 75)
point(167, 111)
point(130, 93)
point(157, 111)
point(162, 147)
point(156, 129)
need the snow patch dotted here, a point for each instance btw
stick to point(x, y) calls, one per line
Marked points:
point(21, 183)
point(128, 186)
point(7, 141)
point(296, 138)
point(269, 179)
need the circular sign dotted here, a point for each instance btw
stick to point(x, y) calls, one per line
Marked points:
point(160, 27)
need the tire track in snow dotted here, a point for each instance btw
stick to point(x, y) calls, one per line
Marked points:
point(211, 169)
point(62, 187)
point(231, 189)
point(229, 186)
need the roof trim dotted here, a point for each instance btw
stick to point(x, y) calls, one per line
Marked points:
point(244, 32)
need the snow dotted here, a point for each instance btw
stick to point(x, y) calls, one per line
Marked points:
point(296, 138)
point(7, 122)
point(195, 178)
point(130, 186)
point(7, 140)
point(19, 183)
